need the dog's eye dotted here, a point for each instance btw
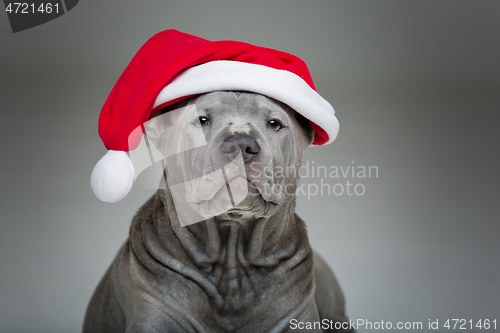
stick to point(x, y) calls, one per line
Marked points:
point(202, 121)
point(275, 125)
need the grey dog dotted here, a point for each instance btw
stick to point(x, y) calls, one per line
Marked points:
point(248, 265)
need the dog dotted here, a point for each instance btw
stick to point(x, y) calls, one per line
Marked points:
point(219, 247)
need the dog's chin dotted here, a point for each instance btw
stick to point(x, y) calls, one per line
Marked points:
point(245, 201)
point(254, 205)
point(242, 213)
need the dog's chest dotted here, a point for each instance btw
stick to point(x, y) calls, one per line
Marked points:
point(239, 287)
point(245, 294)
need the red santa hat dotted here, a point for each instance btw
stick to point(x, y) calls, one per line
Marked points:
point(172, 66)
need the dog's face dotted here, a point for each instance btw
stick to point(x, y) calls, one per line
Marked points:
point(230, 154)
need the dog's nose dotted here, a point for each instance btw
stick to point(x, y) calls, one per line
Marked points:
point(248, 146)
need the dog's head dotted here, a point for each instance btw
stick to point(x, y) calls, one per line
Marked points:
point(230, 154)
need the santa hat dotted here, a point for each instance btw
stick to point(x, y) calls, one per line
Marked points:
point(172, 66)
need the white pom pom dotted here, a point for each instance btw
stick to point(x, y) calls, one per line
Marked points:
point(113, 176)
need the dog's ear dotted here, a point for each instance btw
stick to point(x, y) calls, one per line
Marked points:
point(157, 126)
point(306, 127)
point(161, 121)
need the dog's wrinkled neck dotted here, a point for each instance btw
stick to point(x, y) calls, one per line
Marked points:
point(231, 262)
point(250, 240)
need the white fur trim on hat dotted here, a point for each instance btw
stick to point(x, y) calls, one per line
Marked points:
point(281, 85)
point(113, 176)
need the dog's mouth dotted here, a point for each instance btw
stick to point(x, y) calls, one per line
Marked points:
point(236, 187)
point(240, 186)
point(236, 179)
point(231, 193)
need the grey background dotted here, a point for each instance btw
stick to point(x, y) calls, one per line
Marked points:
point(416, 86)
